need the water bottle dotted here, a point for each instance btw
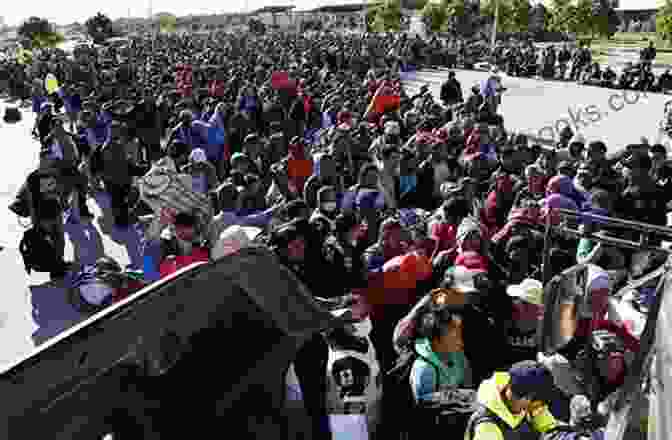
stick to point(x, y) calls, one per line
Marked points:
point(149, 267)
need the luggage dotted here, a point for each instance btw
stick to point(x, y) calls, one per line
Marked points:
point(162, 187)
point(12, 115)
point(39, 252)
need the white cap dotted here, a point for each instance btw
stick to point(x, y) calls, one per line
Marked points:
point(233, 239)
point(531, 291)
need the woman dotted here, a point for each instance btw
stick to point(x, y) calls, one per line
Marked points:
point(343, 252)
point(324, 215)
point(202, 172)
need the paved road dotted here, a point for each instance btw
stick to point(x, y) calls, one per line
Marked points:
point(32, 309)
point(538, 107)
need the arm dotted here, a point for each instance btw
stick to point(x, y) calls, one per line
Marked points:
point(260, 220)
point(423, 381)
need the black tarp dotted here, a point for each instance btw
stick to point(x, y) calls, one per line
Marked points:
point(235, 325)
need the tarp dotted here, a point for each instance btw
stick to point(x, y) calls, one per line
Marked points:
point(230, 375)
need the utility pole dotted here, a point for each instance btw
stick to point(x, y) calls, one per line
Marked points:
point(494, 28)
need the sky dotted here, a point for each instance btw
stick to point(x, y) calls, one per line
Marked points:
point(68, 11)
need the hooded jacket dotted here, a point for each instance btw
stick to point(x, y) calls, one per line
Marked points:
point(424, 380)
point(490, 399)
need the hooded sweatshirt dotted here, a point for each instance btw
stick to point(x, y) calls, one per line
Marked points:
point(451, 367)
point(489, 396)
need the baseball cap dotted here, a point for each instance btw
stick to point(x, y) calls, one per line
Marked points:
point(529, 290)
point(530, 380)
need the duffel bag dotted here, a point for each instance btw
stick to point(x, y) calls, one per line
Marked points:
point(12, 115)
point(38, 252)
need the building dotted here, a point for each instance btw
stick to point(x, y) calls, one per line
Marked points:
point(280, 17)
point(641, 11)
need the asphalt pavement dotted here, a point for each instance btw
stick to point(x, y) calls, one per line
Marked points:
point(33, 309)
point(541, 108)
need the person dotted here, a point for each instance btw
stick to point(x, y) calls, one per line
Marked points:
point(117, 173)
point(203, 173)
point(441, 362)
point(451, 90)
point(175, 243)
point(512, 400)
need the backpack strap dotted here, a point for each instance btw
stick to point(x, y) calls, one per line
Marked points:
point(484, 415)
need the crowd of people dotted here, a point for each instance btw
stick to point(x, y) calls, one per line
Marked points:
point(425, 219)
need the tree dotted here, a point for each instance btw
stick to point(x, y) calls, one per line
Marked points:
point(581, 22)
point(99, 27)
point(562, 14)
point(387, 16)
point(604, 20)
point(38, 32)
point(538, 18)
point(664, 21)
point(504, 16)
point(461, 16)
point(520, 15)
point(435, 16)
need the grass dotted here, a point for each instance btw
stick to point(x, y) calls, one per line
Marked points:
point(634, 40)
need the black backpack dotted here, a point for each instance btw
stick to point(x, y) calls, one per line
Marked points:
point(39, 252)
point(12, 115)
point(400, 411)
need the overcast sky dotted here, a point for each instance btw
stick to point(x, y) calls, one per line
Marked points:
point(67, 11)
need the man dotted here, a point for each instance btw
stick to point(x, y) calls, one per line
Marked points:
point(661, 172)
point(509, 399)
point(642, 200)
point(605, 176)
point(491, 89)
point(118, 172)
point(573, 153)
point(648, 54)
point(451, 90)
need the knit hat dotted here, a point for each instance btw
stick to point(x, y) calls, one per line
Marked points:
point(370, 200)
point(392, 128)
point(472, 261)
point(198, 155)
point(467, 226)
point(233, 239)
point(530, 379)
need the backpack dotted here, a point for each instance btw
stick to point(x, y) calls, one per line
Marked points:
point(39, 252)
point(484, 415)
point(399, 407)
point(12, 115)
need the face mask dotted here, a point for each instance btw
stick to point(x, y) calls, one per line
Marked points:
point(329, 206)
